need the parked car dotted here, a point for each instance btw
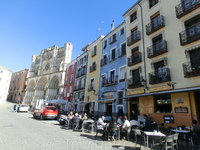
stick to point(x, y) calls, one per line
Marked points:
point(23, 108)
point(46, 112)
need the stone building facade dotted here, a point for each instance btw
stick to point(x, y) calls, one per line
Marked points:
point(47, 74)
point(17, 86)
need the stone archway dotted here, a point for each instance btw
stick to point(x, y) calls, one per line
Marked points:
point(30, 90)
point(54, 90)
point(41, 88)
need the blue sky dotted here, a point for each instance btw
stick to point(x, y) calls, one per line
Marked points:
point(29, 26)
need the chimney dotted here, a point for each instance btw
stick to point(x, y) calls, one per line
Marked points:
point(112, 25)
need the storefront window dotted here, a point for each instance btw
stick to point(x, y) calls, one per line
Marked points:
point(163, 104)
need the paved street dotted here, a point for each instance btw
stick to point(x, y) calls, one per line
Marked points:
point(19, 131)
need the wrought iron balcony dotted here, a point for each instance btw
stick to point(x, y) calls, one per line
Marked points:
point(157, 49)
point(191, 71)
point(92, 68)
point(121, 52)
point(156, 24)
point(109, 82)
point(134, 59)
point(90, 87)
point(162, 75)
point(186, 6)
point(190, 35)
point(103, 61)
point(133, 38)
point(134, 83)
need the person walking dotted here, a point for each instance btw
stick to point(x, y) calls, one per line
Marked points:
point(16, 107)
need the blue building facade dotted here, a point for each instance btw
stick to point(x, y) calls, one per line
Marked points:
point(112, 82)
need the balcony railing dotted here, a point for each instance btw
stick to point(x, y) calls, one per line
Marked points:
point(191, 71)
point(92, 68)
point(103, 61)
point(156, 24)
point(160, 76)
point(190, 35)
point(134, 83)
point(186, 6)
point(79, 87)
point(133, 38)
point(109, 82)
point(157, 49)
point(90, 87)
point(134, 59)
point(121, 52)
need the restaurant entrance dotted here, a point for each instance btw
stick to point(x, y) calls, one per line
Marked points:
point(134, 106)
point(197, 95)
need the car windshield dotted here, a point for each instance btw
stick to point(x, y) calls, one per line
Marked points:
point(51, 108)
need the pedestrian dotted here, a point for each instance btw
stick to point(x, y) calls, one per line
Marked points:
point(120, 112)
point(16, 108)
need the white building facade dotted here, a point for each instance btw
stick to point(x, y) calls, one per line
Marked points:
point(5, 77)
point(47, 74)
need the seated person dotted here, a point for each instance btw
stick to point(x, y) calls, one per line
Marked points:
point(100, 123)
point(76, 120)
point(195, 127)
point(125, 127)
point(147, 124)
point(134, 122)
point(119, 121)
point(69, 117)
point(84, 116)
point(112, 124)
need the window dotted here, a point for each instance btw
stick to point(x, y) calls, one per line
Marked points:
point(65, 92)
point(123, 49)
point(120, 95)
point(94, 51)
point(72, 67)
point(161, 70)
point(155, 20)
point(112, 77)
point(91, 84)
point(66, 80)
point(70, 89)
point(193, 26)
point(66, 70)
point(113, 38)
point(122, 72)
point(122, 31)
point(163, 103)
point(105, 44)
point(134, 33)
point(135, 77)
point(157, 43)
point(72, 78)
point(152, 3)
point(113, 54)
point(195, 59)
point(133, 17)
point(135, 54)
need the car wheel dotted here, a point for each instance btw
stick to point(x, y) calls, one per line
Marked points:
point(34, 116)
point(41, 117)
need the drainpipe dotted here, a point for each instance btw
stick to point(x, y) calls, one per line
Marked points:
point(144, 60)
point(190, 105)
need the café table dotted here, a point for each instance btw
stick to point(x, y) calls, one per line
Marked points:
point(107, 131)
point(86, 122)
point(153, 134)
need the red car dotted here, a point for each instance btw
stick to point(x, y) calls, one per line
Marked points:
point(46, 112)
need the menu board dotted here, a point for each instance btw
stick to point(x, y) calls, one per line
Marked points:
point(181, 110)
point(168, 118)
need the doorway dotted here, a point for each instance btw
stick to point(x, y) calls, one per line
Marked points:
point(197, 96)
point(134, 106)
point(108, 109)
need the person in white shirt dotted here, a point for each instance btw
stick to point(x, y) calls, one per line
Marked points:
point(134, 122)
point(100, 123)
point(119, 121)
point(125, 127)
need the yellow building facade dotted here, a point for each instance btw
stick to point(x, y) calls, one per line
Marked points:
point(163, 60)
point(93, 75)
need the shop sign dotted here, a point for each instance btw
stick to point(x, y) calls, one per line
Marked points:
point(135, 92)
point(181, 110)
point(160, 88)
point(168, 118)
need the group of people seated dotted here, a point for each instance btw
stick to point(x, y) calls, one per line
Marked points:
point(123, 123)
point(76, 120)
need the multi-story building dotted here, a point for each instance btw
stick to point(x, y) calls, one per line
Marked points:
point(17, 86)
point(81, 71)
point(164, 60)
point(92, 79)
point(5, 77)
point(47, 74)
point(69, 83)
point(112, 72)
